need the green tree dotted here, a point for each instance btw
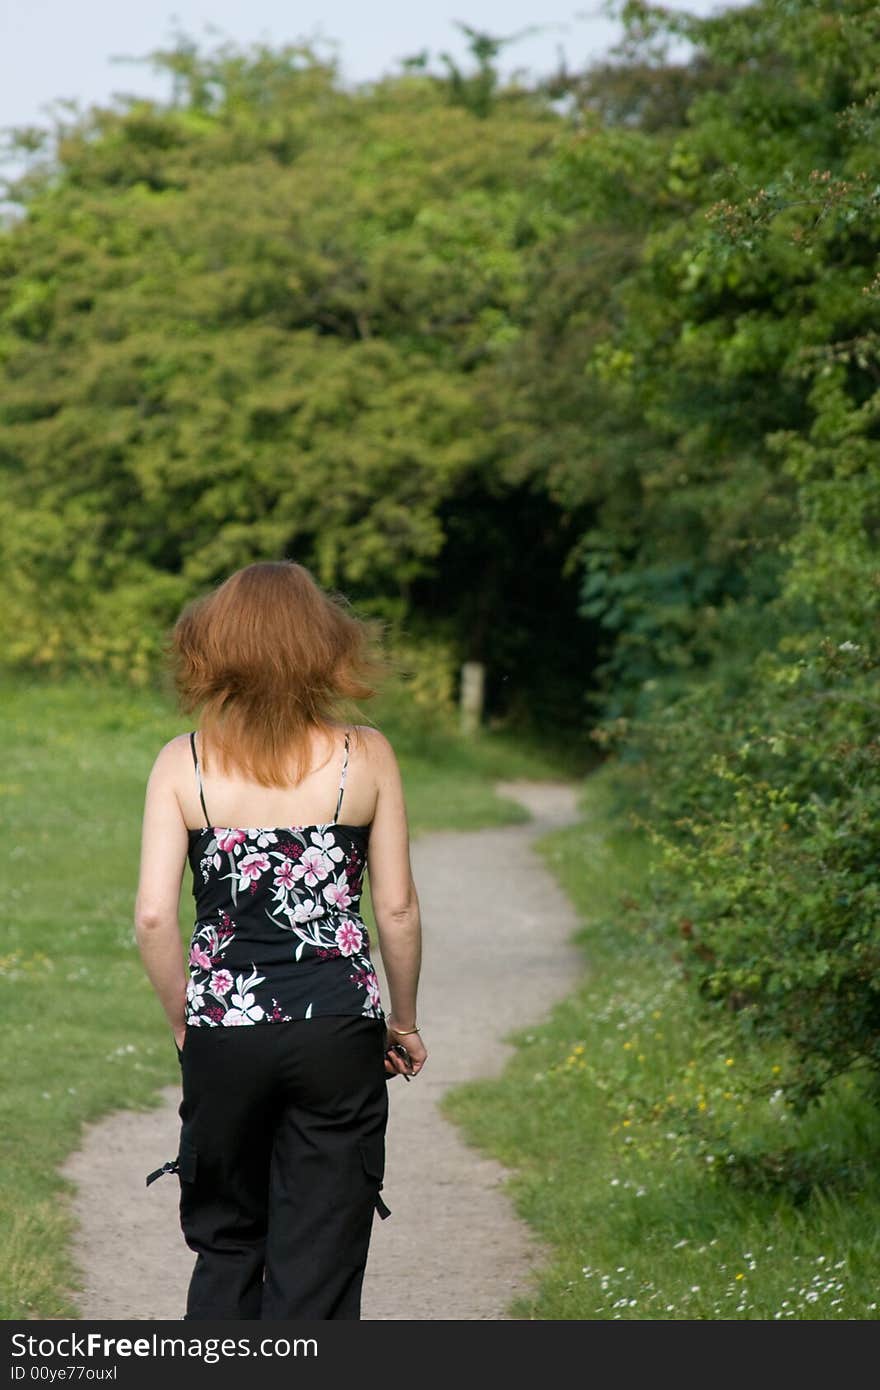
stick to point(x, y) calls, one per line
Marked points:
point(264, 319)
point(740, 578)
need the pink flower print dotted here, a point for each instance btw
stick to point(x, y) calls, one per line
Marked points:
point(195, 995)
point(264, 838)
point(245, 1008)
point(284, 875)
point(304, 910)
point(198, 956)
point(348, 938)
point(337, 893)
point(234, 1018)
point(251, 867)
point(221, 983)
point(327, 844)
point(228, 839)
point(312, 867)
point(210, 940)
point(276, 1016)
point(366, 980)
point(215, 1013)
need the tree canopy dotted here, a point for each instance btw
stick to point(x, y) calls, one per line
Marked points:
point(257, 321)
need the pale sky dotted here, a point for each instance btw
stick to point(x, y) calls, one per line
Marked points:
point(55, 49)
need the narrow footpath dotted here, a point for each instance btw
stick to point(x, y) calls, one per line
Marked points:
point(497, 956)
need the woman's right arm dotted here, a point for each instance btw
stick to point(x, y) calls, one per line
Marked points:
point(163, 861)
point(395, 901)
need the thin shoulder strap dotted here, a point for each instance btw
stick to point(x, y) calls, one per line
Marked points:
point(192, 744)
point(342, 778)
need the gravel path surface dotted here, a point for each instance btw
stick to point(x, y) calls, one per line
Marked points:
point(497, 956)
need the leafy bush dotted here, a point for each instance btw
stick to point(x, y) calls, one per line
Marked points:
point(741, 588)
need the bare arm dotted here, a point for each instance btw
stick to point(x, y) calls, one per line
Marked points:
point(164, 842)
point(394, 897)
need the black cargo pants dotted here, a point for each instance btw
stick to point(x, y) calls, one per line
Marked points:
point(281, 1160)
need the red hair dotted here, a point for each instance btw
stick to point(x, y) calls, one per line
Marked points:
point(269, 656)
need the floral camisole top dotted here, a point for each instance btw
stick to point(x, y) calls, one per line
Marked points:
point(278, 933)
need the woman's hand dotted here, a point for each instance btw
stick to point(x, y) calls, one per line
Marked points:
point(417, 1053)
point(179, 1036)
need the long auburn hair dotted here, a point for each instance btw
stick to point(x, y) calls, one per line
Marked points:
point(269, 656)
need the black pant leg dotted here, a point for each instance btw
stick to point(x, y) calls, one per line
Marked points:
point(326, 1168)
point(225, 1150)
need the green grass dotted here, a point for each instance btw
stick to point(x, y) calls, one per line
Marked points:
point(624, 1120)
point(83, 1033)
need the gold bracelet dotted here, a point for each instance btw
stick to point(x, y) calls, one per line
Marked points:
point(402, 1032)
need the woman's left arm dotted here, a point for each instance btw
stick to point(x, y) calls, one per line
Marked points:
point(164, 842)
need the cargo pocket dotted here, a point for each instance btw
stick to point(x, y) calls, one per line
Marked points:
point(373, 1158)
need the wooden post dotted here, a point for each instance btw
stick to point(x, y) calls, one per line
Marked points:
point(471, 698)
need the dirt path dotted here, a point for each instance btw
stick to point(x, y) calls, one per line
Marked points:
point(497, 955)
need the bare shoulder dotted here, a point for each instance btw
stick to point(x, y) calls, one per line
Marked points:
point(374, 743)
point(171, 755)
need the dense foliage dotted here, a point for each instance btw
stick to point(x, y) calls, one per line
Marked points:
point(259, 321)
point(736, 559)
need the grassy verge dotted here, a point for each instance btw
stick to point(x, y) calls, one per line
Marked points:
point(661, 1188)
point(82, 1032)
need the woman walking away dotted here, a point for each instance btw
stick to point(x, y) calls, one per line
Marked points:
point(275, 1009)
